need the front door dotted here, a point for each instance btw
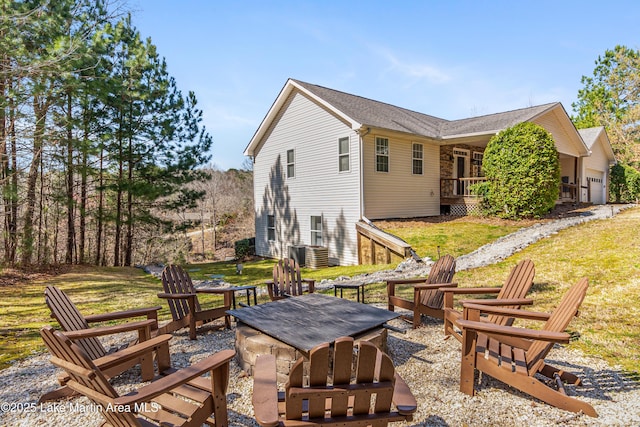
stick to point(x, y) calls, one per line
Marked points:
point(460, 170)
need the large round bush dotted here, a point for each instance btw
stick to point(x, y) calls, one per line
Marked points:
point(523, 172)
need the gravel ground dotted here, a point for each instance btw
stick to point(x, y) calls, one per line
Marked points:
point(429, 364)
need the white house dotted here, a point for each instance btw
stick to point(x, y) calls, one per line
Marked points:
point(326, 162)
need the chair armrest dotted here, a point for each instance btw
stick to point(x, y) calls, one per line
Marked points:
point(511, 331)
point(268, 282)
point(133, 352)
point(510, 312)
point(471, 291)
point(94, 318)
point(177, 378)
point(435, 286)
point(403, 399)
point(394, 282)
point(498, 302)
point(109, 330)
point(265, 391)
point(175, 296)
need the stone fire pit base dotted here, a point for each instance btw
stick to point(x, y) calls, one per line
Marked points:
point(250, 343)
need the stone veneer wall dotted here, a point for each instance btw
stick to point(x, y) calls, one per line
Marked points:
point(251, 343)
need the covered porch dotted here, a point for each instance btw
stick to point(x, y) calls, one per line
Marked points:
point(461, 168)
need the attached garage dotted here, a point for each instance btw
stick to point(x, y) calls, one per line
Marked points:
point(596, 187)
point(595, 167)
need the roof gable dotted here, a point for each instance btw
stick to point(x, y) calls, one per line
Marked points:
point(592, 135)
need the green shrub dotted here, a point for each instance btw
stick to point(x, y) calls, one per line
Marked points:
point(245, 248)
point(523, 172)
point(625, 183)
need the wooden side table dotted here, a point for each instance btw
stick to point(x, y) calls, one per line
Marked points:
point(359, 287)
point(249, 289)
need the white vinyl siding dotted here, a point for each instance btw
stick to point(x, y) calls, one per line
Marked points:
point(318, 188)
point(400, 193)
point(382, 155)
point(343, 155)
point(417, 162)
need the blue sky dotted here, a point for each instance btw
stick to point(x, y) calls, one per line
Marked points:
point(450, 59)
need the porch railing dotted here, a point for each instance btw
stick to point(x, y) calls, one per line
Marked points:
point(458, 187)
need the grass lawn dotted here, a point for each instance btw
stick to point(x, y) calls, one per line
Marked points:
point(607, 252)
point(459, 236)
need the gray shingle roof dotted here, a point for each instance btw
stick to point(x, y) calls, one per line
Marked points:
point(386, 116)
point(590, 135)
point(494, 122)
point(377, 114)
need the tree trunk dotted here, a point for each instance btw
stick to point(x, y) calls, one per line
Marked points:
point(68, 259)
point(40, 111)
point(83, 193)
point(130, 161)
point(100, 209)
point(13, 193)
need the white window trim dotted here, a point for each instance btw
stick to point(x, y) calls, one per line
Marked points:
point(413, 144)
point(293, 163)
point(271, 228)
point(388, 155)
point(313, 231)
point(347, 154)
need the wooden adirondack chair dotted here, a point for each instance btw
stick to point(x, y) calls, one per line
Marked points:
point(184, 305)
point(311, 398)
point(287, 281)
point(116, 361)
point(182, 398)
point(516, 355)
point(427, 293)
point(510, 295)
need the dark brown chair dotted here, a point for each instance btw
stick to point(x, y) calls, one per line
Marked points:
point(427, 293)
point(510, 295)
point(182, 398)
point(114, 361)
point(516, 356)
point(329, 397)
point(287, 281)
point(183, 302)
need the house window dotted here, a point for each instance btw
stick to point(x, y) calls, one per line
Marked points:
point(291, 162)
point(343, 154)
point(418, 156)
point(271, 227)
point(477, 164)
point(316, 231)
point(382, 154)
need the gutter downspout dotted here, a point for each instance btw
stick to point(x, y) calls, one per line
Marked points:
point(361, 159)
point(361, 136)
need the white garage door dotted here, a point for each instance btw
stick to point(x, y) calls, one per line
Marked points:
point(595, 183)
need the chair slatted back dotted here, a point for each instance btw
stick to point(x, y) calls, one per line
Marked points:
point(84, 375)
point(286, 277)
point(374, 378)
point(176, 281)
point(558, 322)
point(441, 272)
point(516, 286)
point(70, 319)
